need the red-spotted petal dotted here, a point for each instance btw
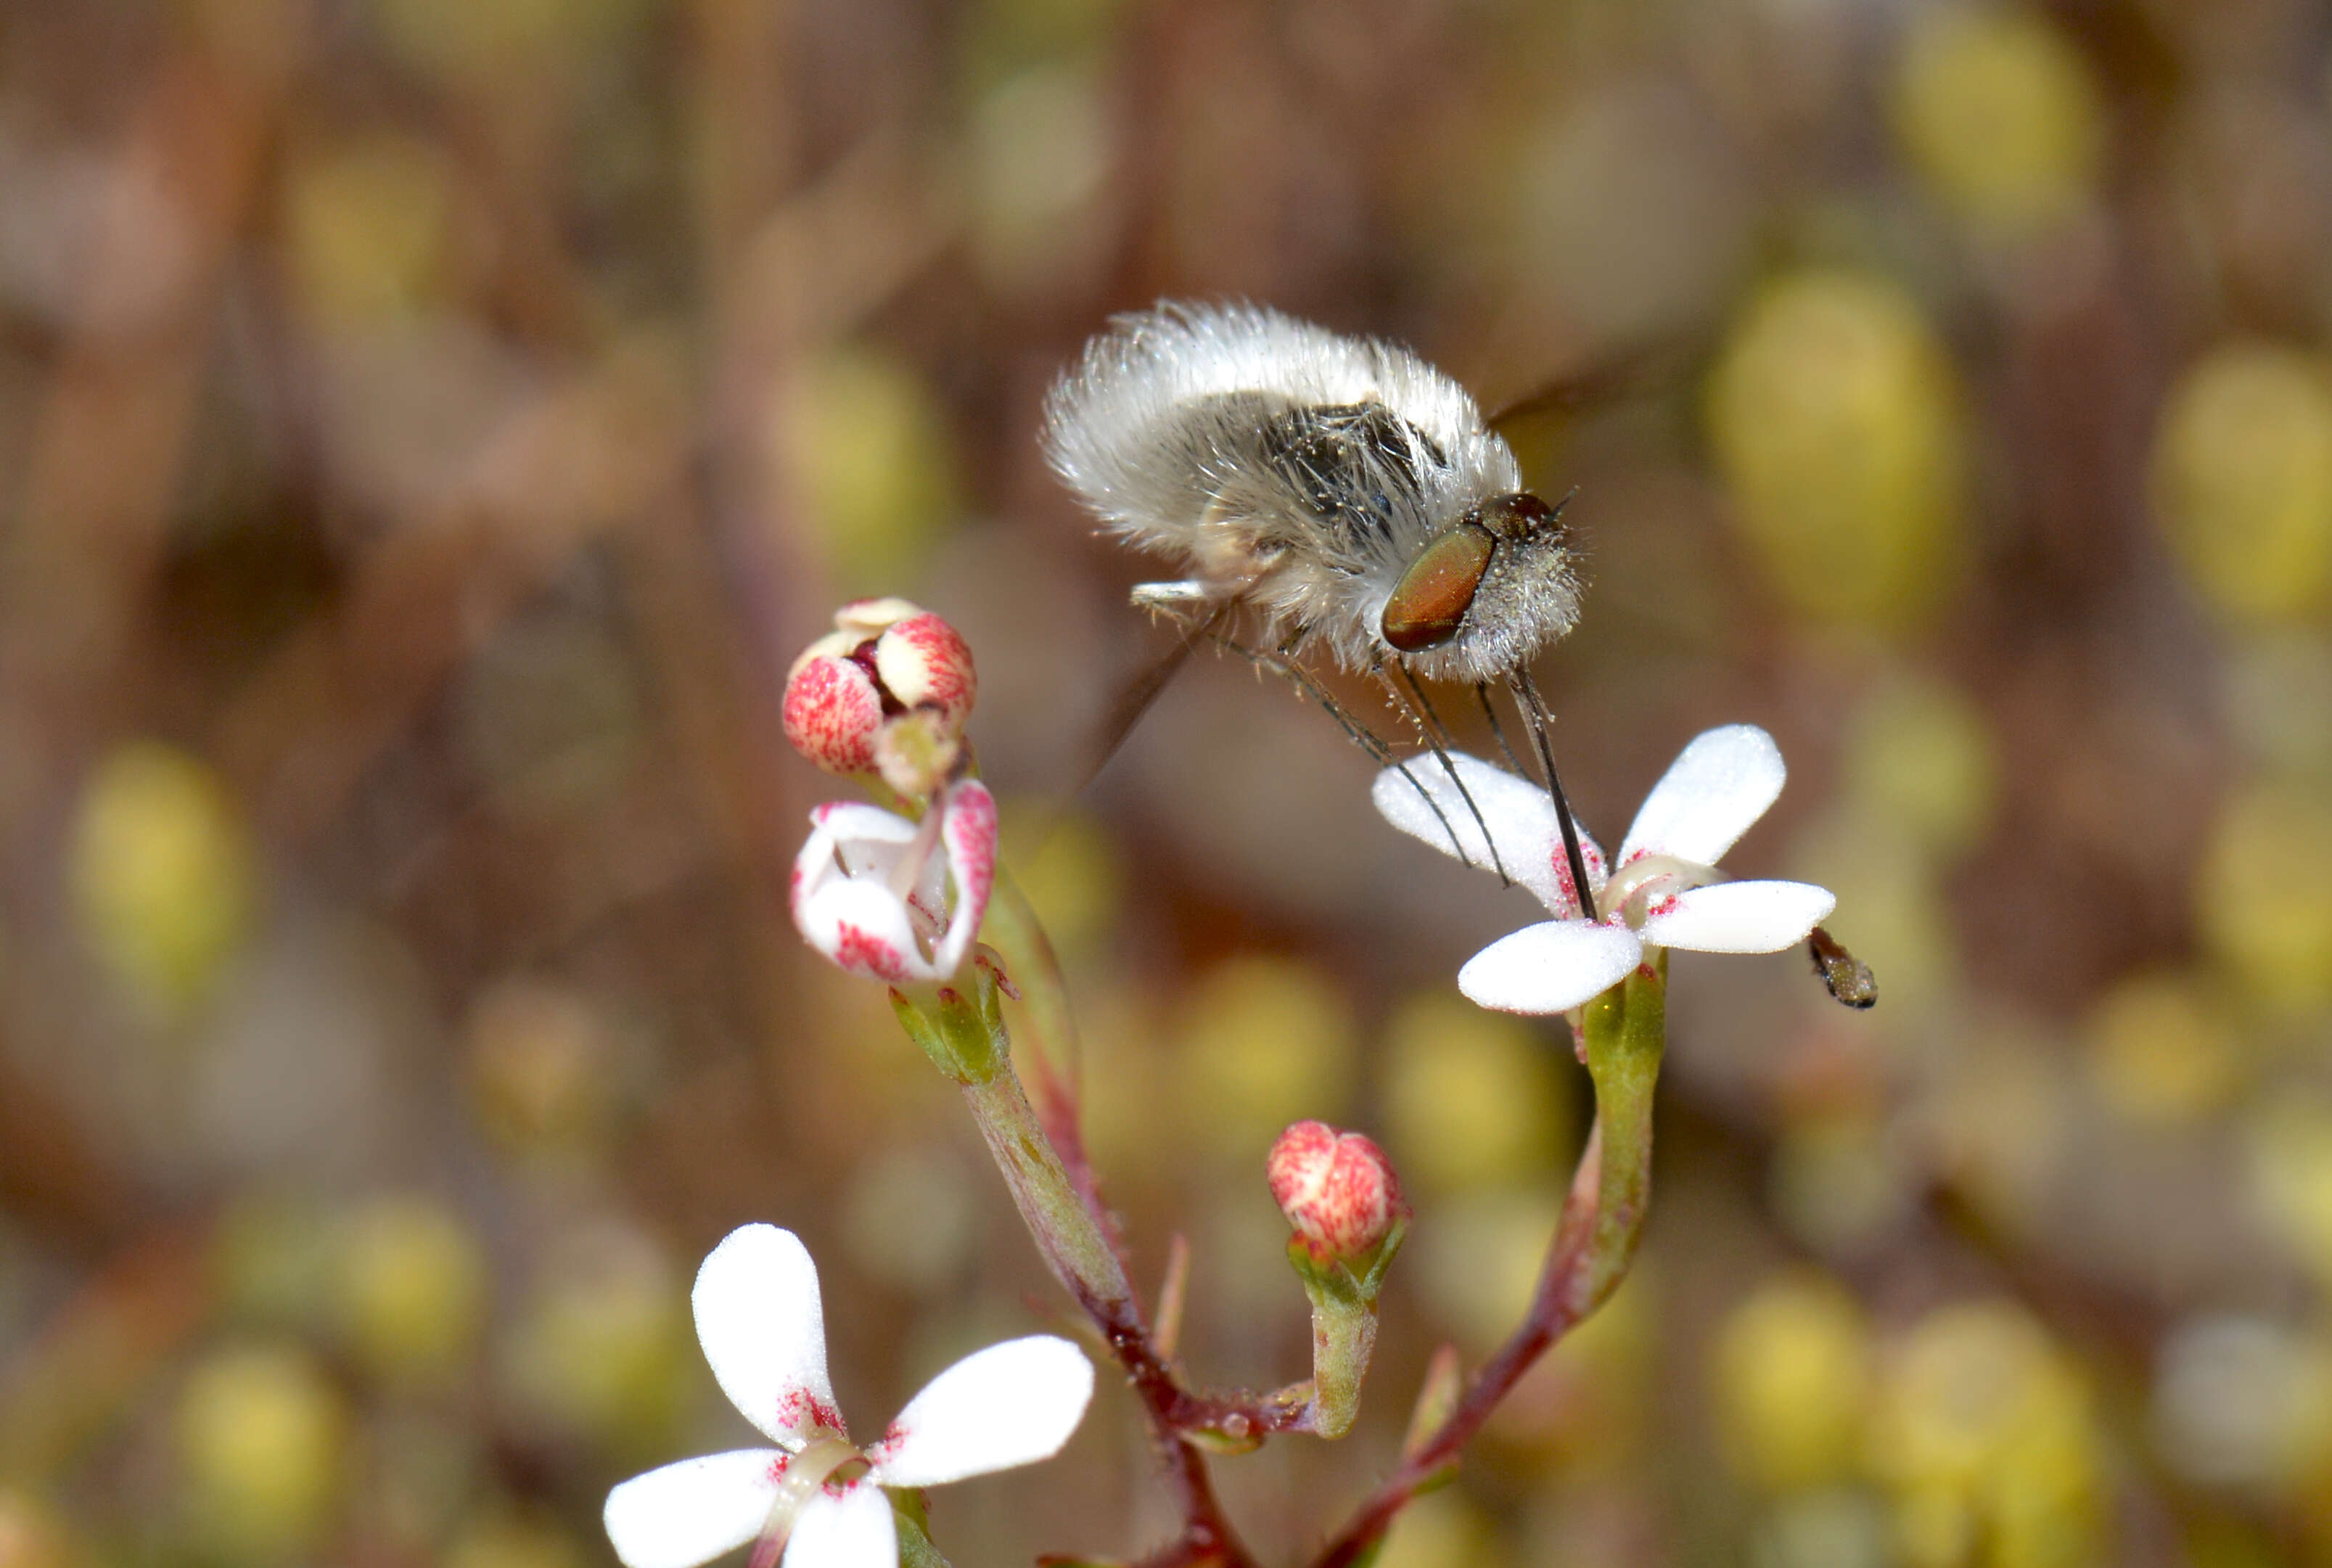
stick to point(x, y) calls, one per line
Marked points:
point(1739, 916)
point(758, 1320)
point(1549, 968)
point(1010, 1404)
point(694, 1511)
point(864, 927)
point(967, 829)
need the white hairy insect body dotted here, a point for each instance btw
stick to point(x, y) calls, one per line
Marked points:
point(1302, 473)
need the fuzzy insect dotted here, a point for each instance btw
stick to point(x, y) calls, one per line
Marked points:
point(1342, 489)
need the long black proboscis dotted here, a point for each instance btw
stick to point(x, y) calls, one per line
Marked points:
point(1535, 716)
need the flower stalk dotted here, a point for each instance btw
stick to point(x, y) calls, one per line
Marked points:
point(1624, 1031)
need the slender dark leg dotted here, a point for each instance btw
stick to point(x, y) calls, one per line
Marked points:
point(1482, 696)
point(1427, 724)
point(1534, 710)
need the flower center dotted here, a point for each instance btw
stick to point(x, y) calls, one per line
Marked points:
point(1636, 886)
point(805, 1473)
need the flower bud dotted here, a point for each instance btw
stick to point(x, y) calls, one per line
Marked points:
point(925, 663)
point(1337, 1189)
point(833, 707)
point(885, 657)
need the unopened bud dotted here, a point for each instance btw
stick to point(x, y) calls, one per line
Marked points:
point(925, 663)
point(1337, 1189)
point(885, 658)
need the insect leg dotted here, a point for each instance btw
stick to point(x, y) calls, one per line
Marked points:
point(1534, 709)
point(1419, 709)
point(1482, 696)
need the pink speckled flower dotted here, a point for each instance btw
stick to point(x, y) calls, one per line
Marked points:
point(1337, 1189)
point(893, 900)
point(816, 1497)
point(1667, 891)
point(884, 658)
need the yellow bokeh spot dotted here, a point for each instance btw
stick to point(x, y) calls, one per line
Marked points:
point(514, 1540)
point(1072, 878)
point(1266, 1042)
point(2000, 113)
point(2264, 897)
point(1041, 147)
point(2243, 479)
point(162, 873)
point(1836, 423)
point(367, 228)
point(1473, 1099)
point(1793, 1380)
point(410, 1289)
point(1920, 754)
point(1478, 1261)
point(2291, 1157)
point(605, 1350)
point(1442, 1529)
point(1984, 1433)
point(261, 1435)
point(876, 462)
point(2162, 1049)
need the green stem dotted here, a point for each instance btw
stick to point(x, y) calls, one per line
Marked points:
point(965, 1036)
point(1625, 1031)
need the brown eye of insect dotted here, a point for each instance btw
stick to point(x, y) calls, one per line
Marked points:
point(1428, 603)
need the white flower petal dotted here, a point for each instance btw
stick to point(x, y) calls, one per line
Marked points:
point(1549, 968)
point(758, 1320)
point(1520, 817)
point(855, 822)
point(1718, 785)
point(1010, 1404)
point(1739, 916)
point(862, 927)
point(967, 829)
point(850, 1531)
point(694, 1511)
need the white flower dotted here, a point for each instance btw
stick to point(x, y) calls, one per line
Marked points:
point(1667, 892)
point(870, 892)
point(758, 1320)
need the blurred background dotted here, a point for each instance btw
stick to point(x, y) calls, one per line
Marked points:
point(428, 428)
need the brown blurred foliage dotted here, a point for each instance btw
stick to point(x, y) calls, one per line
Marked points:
point(428, 429)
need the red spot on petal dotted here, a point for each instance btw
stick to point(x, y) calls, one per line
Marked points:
point(862, 952)
point(800, 1411)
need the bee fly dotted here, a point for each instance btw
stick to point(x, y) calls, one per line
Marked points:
point(1347, 493)
point(1352, 498)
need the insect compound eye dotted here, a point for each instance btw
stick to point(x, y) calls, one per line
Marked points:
point(1518, 516)
point(1428, 603)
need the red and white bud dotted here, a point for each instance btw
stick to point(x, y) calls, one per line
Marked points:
point(884, 658)
point(833, 707)
point(1337, 1189)
point(925, 663)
